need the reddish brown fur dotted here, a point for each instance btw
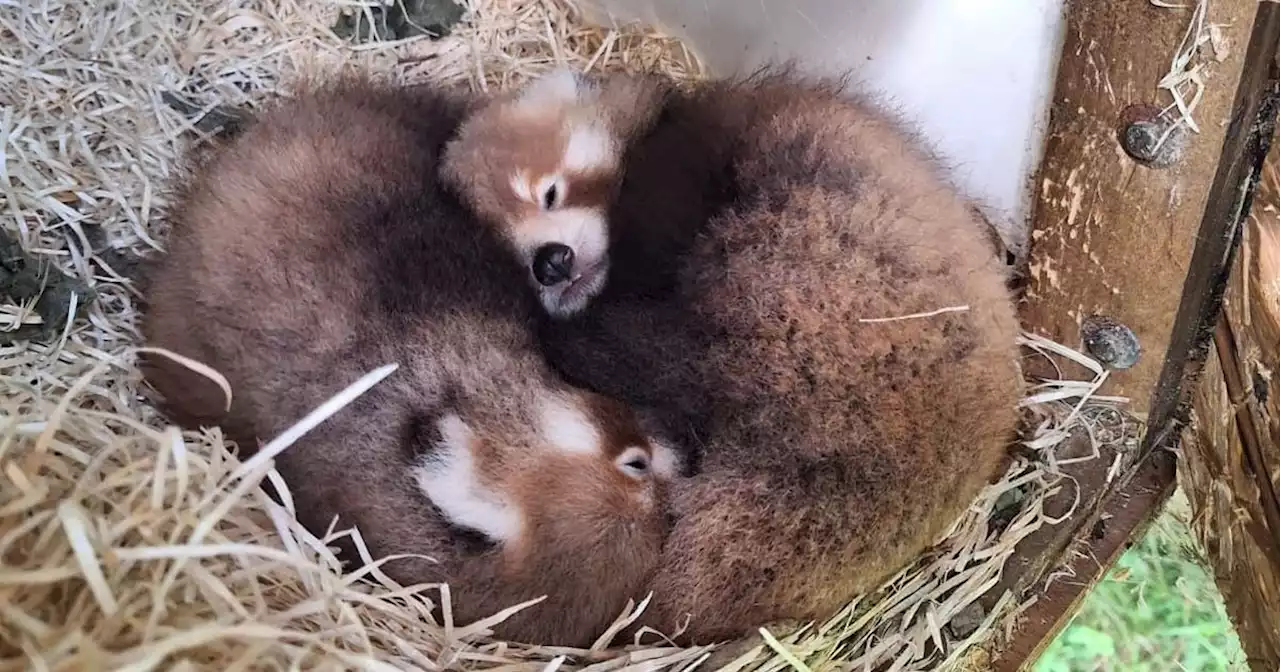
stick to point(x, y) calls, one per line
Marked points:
point(526, 137)
point(317, 246)
point(506, 135)
point(835, 450)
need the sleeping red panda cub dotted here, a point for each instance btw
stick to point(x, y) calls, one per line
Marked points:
point(782, 317)
point(547, 159)
point(318, 245)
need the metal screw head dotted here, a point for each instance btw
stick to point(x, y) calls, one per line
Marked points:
point(1149, 137)
point(1111, 343)
point(1140, 140)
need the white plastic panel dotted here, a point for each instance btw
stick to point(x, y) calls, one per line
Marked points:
point(976, 76)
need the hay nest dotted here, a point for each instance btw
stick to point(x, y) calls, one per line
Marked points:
point(128, 544)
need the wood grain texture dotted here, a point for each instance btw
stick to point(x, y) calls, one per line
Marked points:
point(1149, 247)
point(1110, 516)
point(1230, 466)
point(1110, 236)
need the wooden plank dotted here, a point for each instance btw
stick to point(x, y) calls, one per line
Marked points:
point(1111, 236)
point(1105, 526)
point(1097, 251)
point(1249, 135)
point(1228, 470)
point(1231, 460)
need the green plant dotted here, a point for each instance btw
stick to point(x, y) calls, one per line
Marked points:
point(1158, 609)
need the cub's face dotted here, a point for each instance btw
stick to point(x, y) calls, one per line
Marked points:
point(543, 166)
point(587, 467)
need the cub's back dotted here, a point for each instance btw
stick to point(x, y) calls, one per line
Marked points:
point(862, 344)
point(312, 235)
point(839, 434)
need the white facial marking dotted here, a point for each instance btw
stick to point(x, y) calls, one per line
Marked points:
point(589, 148)
point(583, 229)
point(520, 186)
point(567, 427)
point(666, 461)
point(449, 479)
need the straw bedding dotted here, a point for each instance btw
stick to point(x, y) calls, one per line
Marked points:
point(127, 544)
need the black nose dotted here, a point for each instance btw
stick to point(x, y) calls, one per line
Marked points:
point(553, 263)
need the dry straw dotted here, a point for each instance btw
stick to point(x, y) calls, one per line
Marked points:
point(126, 544)
point(1185, 80)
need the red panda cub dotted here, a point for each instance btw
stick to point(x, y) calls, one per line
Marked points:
point(542, 164)
point(820, 314)
point(318, 245)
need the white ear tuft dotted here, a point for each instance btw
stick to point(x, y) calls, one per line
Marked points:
point(559, 85)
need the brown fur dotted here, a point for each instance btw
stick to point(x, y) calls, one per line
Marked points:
point(317, 246)
point(762, 220)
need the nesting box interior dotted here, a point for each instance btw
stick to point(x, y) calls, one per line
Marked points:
point(127, 542)
point(925, 58)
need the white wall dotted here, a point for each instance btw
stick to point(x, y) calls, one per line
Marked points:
point(975, 75)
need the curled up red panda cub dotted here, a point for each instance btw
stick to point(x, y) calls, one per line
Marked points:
point(777, 252)
point(318, 245)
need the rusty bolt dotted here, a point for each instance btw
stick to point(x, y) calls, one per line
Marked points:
point(1145, 135)
point(1110, 342)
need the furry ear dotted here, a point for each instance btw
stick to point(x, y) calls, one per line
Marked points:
point(633, 102)
point(561, 85)
point(459, 171)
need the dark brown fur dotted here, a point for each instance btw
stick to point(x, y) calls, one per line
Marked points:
point(835, 450)
point(318, 246)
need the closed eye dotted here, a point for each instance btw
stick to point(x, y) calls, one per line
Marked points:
point(635, 462)
point(550, 191)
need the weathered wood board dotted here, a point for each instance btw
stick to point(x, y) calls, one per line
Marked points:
point(1230, 460)
point(1111, 236)
point(1143, 238)
point(1108, 518)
